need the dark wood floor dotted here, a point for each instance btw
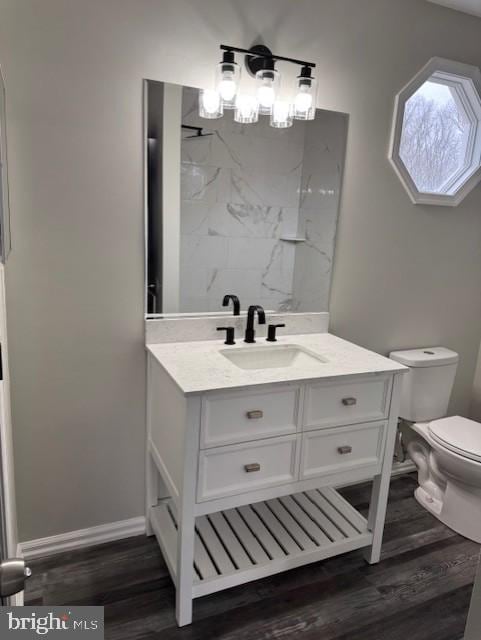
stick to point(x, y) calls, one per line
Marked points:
point(419, 591)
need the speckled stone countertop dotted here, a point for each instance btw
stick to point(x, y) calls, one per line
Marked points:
point(198, 367)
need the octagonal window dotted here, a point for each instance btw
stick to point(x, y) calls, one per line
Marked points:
point(434, 137)
point(436, 145)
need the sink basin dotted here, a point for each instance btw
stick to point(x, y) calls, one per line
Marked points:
point(272, 357)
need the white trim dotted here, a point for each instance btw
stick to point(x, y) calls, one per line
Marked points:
point(82, 538)
point(18, 599)
point(6, 435)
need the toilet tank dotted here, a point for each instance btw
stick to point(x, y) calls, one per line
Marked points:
point(428, 384)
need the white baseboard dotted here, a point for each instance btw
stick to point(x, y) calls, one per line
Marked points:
point(82, 538)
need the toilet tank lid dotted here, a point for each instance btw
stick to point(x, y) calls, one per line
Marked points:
point(425, 357)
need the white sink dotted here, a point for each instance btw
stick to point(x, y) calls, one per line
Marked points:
point(272, 357)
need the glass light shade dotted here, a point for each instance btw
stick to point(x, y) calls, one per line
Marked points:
point(227, 83)
point(268, 83)
point(305, 99)
point(281, 116)
point(246, 109)
point(210, 104)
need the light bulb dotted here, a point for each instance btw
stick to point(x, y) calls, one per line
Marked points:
point(227, 88)
point(210, 105)
point(281, 116)
point(246, 109)
point(303, 101)
point(267, 81)
point(211, 101)
point(266, 96)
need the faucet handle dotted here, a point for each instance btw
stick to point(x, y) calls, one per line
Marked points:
point(271, 332)
point(230, 334)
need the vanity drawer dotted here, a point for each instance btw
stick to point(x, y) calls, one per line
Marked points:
point(336, 403)
point(236, 469)
point(243, 416)
point(330, 451)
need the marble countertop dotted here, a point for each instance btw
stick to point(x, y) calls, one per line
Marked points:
point(198, 367)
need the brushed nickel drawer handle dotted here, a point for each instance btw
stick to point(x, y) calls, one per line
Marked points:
point(254, 466)
point(345, 449)
point(349, 402)
point(255, 414)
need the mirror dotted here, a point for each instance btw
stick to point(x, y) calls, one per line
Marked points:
point(242, 209)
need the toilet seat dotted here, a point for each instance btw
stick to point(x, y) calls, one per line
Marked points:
point(459, 435)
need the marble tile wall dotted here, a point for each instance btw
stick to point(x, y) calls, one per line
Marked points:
point(243, 188)
point(240, 192)
point(321, 181)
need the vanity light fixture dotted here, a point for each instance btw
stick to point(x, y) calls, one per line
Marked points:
point(260, 63)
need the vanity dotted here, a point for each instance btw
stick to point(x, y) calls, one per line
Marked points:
point(251, 431)
point(247, 443)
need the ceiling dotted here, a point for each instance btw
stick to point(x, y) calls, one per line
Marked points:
point(468, 6)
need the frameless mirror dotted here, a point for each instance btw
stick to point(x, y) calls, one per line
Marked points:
point(243, 209)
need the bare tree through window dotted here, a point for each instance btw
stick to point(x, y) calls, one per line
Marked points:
point(434, 137)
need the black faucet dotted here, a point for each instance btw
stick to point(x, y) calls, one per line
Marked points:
point(250, 333)
point(235, 302)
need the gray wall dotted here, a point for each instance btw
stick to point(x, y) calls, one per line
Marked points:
point(404, 275)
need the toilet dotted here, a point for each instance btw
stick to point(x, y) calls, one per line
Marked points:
point(445, 450)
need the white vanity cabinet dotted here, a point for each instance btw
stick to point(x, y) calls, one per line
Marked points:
point(240, 482)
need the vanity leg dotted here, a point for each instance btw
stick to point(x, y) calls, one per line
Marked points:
point(185, 571)
point(380, 488)
point(186, 515)
point(151, 490)
point(376, 518)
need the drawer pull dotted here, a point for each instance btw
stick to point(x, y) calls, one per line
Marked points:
point(255, 414)
point(349, 402)
point(345, 449)
point(254, 466)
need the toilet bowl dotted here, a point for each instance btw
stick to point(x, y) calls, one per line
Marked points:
point(445, 450)
point(447, 453)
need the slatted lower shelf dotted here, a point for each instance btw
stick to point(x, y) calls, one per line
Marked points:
point(256, 540)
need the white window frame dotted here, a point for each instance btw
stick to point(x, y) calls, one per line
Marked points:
point(465, 79)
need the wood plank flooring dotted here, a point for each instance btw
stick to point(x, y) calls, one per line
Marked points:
point(419, 591)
